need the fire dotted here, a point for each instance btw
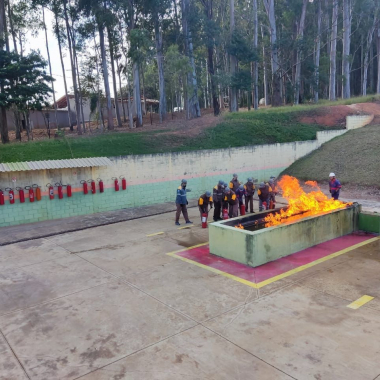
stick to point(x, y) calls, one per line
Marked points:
point(239, 226)
point(301, 204)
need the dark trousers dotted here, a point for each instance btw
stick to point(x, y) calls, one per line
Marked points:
point(249, 201)
point(183, 209)
point(233, 210)
point(217, 209)
point(335, 195)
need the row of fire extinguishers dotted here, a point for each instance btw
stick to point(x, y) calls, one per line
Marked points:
point(34, 191)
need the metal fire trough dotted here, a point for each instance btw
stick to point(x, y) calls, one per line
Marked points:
point(256, 245)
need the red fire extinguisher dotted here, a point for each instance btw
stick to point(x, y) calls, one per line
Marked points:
point(1, 197)
point(93, 186)
point(51, 190)
point(204, 219)
point(11, 195)
point(38, 192)
point(265, 205)
point(30, 193)
point(85, 187)
point(242, 209)
point(123, 183)
point(225, 213)
point(101, 185)
point(69, 191)
point(21, 194)
point(116, 182)
point(60, 189)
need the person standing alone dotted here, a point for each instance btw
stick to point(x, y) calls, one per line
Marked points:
point(334, 186)
point(181, 202)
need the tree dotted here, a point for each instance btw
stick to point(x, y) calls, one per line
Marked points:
point(233, 61)
point(318, 52)
point(347, 9)
point(334, 36)
point(192, 103)
point(255, 64)
point(24, 83)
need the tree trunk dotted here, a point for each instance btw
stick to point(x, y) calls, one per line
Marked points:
point(73, 70)
point(63, 72)
point(318, 52)
point(366, 56)
point(112, 56)
point(160, 65)
point(120, 89)
point(276, 86)
point(98, 85)
point(233, 62)
point(105, 76)
point(49, 62)
point(300, 31)
point(10, 17)
point(137, 94)
point(346, 88)
point(143, 90)
point(256, 63)
point(192, 102)
point(378, 61)
point(3, 112)
point(80, 91)
point(334, 36)
point(265, 76)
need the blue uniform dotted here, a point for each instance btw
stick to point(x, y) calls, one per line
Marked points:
point(335, 187)
point(181, 198)
point(239, 193)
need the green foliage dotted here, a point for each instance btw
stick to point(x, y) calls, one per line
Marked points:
point(23, 81)
point(241, 48)
point(141, 44)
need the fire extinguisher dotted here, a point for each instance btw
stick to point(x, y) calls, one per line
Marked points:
point(265, 205)
point(69, 191)
point(38, 191)
point(1, 197)
point(272, 205)
point(116, 182)
point(93, 186)
point(242, 209)
point(204, 219)
point(123, 183)
point(30, 193)
point(51, 190)
point(11, 195)
point(101, 185)
point(85, 187)
point(225, 213)
point(21, 194)
point(60, 189)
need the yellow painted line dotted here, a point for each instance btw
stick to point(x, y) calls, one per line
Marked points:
point(316, 262)
point(184, 227)
point(360, 302)
point(157, 233)
point(275, 278)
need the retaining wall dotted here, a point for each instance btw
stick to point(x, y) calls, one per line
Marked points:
point(151, 178)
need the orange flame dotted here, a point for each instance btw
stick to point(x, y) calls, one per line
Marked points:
point(301, 204)
point(239, 226)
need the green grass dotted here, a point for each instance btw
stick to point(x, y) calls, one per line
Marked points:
point(267, 126)
point(354, 157)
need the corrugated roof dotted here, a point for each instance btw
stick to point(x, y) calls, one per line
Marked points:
point(55, 164)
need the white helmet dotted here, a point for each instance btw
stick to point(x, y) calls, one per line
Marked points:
point(332, 175)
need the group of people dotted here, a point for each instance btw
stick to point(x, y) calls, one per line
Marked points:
point(230, 196)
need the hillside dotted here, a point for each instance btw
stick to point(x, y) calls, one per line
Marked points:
point(354, 157)
point(265, 126)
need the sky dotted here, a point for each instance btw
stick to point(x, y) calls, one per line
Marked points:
point(38, 43)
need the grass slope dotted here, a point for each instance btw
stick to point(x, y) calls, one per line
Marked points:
point(354, 157)
point(274, 125)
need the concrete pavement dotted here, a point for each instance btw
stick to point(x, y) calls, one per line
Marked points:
point(107, 303)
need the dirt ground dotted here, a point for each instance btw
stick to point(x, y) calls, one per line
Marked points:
point(334, 116)
point(176, 124)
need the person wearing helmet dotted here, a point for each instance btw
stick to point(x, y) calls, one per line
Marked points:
point(217, 195)
point(334, 186)
point(263, 193)
point(240, 193)
point(250, 190)
point(204, 201)
point(231, 201)
point(181, 202)
point(272, 193)
point(234, 183)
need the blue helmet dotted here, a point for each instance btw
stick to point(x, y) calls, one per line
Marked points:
point(208, 193)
